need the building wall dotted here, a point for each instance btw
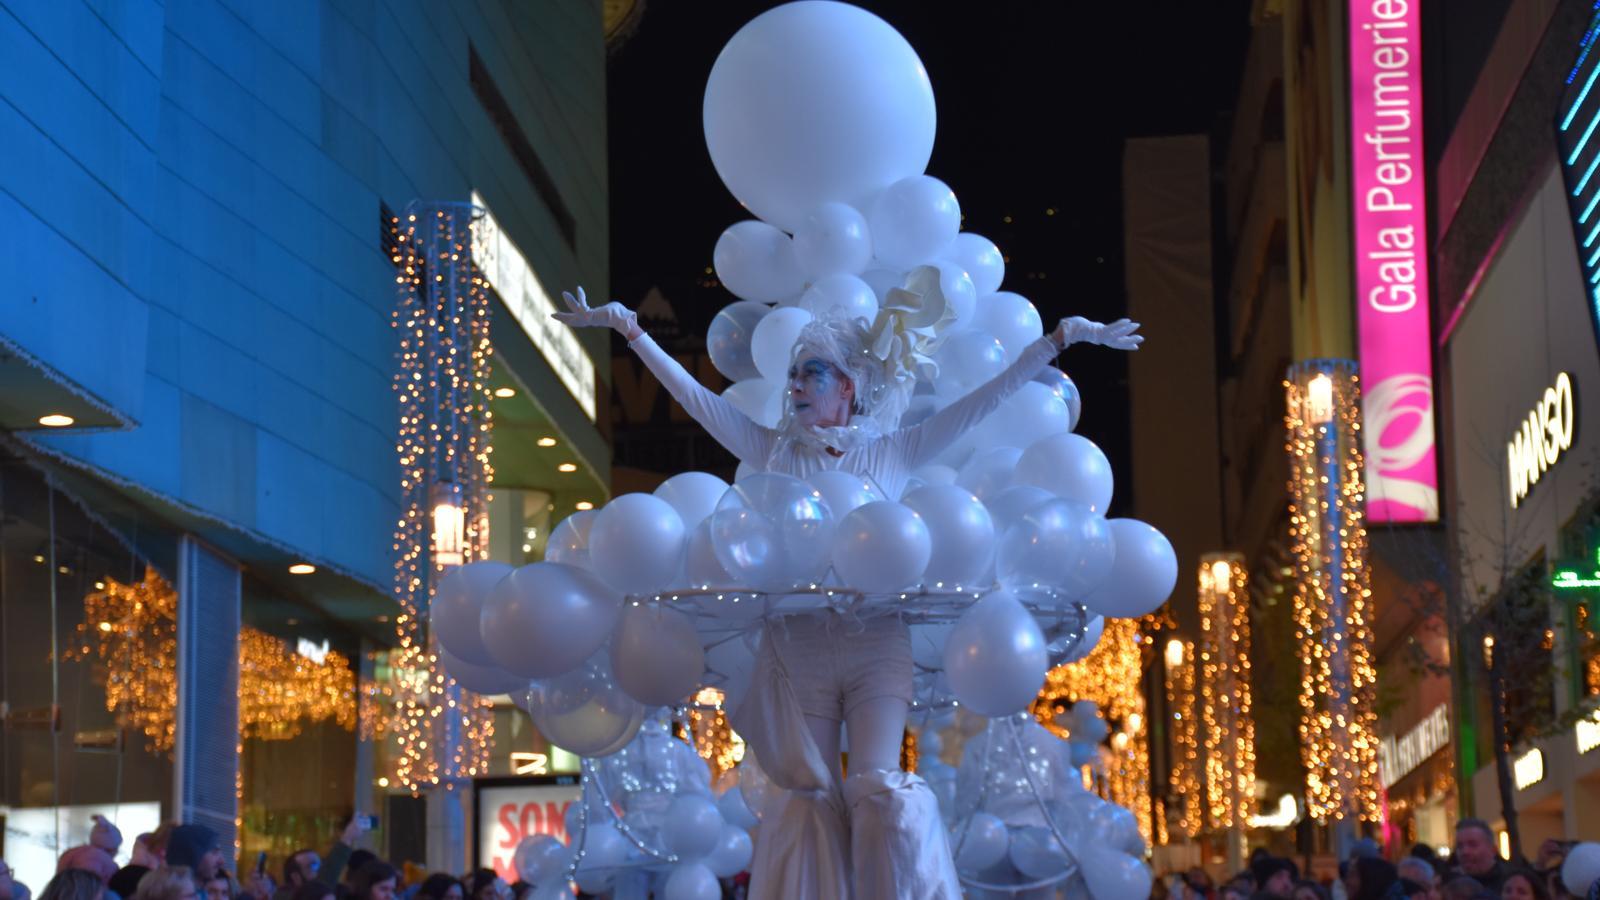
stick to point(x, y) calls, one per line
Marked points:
point(195, 193)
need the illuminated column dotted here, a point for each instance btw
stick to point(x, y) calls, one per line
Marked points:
point(442, 317)
point(1224, 660)
point(1333, 597)
point(1184, 727)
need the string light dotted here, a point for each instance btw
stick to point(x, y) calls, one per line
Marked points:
point(1333, 595)
point(714, 738)
point(1184, 727)
point(1111, 676)
point(442, 383)
point(1224, 658)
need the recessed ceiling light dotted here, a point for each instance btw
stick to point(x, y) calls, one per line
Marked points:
point(383, 618)
point(584, 504)
point(99, 585)
point(505, 392)
point(567, 467)
point(302, 569)
point(547, 442)
point(291, 621)
point(56, 420)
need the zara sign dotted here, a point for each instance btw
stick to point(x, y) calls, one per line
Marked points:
point(1544, 435)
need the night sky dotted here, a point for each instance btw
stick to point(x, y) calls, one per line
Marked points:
point(1034, 102)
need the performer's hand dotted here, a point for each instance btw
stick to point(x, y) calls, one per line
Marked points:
point(612, 315)
point(1119, 335)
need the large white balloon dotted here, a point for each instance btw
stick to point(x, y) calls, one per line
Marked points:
point(995, 658)
point(728, 339)
point(914, 221)
point(734, 810)
point(584, 711)
point(989, 471)
point(636, 543)
point(1112, 875)
point(693, 825)
point(772, 532)
point(700, 565)
point(881, 280)
point(692, 881)
point(981, 259)
point(833, 240)
point(982, 843)
point(840, 295)
point(1581, 869)
point(539, 859)
point(881, 546)
point(844, 491)
point(773, 344)
point(755, 261)
point(458, 604)
point(959, 294)
point(487, 680)
point(812, 102)
point(1010, 318)
point(1142, 576)
point(1037, 854)
point(1058, 544)
point(966, 360)
point(1092, 633)
point(656, 655)
point(569, 540)
point(1010, 505)
point(1117, 828)
point(1059, 382)
point(546, 618)
point(732, 853)
point(759, 399)
point(605, 850)
point(961, 531)
point(693, 494)
point(1032, 413)
point(1069, 466)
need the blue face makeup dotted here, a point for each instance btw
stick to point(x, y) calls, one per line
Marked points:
point(817, 389)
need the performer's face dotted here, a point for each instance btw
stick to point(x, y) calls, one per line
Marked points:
point(821, 394)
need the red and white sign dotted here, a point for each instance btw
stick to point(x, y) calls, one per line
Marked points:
point(1389, 211)
point(509, 813)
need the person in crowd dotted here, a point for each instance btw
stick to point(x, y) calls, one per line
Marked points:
point(105, 835)
point(126, 882)
point(1305, 889)
point(1274, 875)
point(74, 884)
point(1523, 884)
point(1406, 889)
point(167, 883)
point(1465, 887)
point(1415, 868)
point(299, 867)
point(315, 890)
point(196, 848)
point(1476, 856)
point(358, 858)
point(375, 880)
point(481, 886)
point(142, 855)
point(1369, 878)
point(441, 887)
point(220, 886)
point(88, 858)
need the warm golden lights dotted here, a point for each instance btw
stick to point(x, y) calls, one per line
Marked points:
point(1185, 729)
point(1224, 680)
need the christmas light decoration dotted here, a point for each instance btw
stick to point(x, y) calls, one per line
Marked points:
point(1333, 596)
point(1224, 658)
point(714, 737)
point(442, 382)
point(1185, 778)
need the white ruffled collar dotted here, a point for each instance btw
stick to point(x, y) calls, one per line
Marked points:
point(841, 439)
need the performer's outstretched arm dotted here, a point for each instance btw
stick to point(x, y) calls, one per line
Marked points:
point(922, 442)
point(722, 420)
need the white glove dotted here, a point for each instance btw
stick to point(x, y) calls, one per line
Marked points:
point(1119, 335)
point(612, 315)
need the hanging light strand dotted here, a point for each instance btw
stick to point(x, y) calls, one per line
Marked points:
point(1224, 658)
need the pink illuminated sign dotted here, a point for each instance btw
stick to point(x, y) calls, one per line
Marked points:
point(1391, 260)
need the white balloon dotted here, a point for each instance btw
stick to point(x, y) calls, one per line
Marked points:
point(1057, 544)
point(1069, 466)
point(692, 826)
point(584, 711)
point(840, 295)
point(1010, 318)
point(1112, 875)
point(735, 811)
point(728, 339)
point(458, 604)
point(833, 240)
point(1142, 576)
point(1010, 505)
point(881, 280)
point(1059, 382)
point(604, 851)
point(693, 494)
point(989, 471)
point(1037, 854)
point(881, 546)
point(729, 662)
point(1030, 414)
point(700, 565)
point(487, 680)
point(637, 543)
point(692, 881)
point(546, 618)
point(732, 853)
point(982, 842)
point(961, 530)
point(933, 473)
point(1118, 829)
point(967, 360)
point(812, 102)
point(773, 344)
point(995, 657)
point(772, 532)
point(755, 261)
point(759, 399)
point(844, 491)
point(1091, 639)
point(656, 655)
point(981, 259)
point(959, 294)
point(1581, 869)
point(539, 859)
point(569, 540)
point(913, 221)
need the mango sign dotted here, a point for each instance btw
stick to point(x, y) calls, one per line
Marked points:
point(507, 813)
